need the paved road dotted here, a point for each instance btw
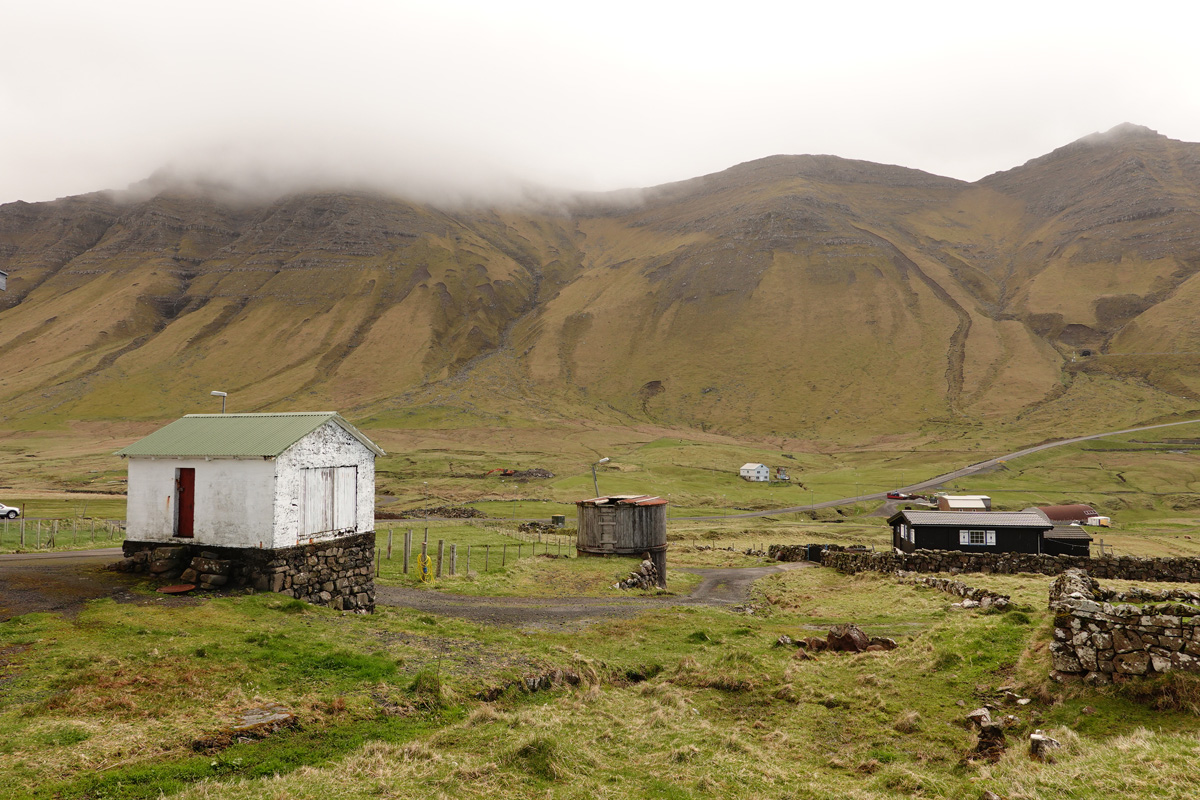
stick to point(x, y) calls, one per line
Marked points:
point(940, 479)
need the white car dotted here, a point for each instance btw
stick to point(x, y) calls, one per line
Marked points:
point(9, 511)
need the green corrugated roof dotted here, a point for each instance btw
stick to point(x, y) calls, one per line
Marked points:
point(237, 435)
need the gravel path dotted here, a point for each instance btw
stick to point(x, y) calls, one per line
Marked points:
point(62, 582)
point(718, 587)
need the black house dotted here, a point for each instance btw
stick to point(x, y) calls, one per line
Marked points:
point(984, 532)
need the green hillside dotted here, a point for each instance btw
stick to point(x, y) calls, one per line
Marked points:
point(795, 297)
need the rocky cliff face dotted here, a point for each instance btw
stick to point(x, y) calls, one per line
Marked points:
point(793, 294)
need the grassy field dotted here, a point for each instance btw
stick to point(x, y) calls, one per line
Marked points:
point(135, 700)
point(1143, 482)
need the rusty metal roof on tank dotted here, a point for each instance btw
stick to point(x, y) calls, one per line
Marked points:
point(623, 499)
point(237, 435)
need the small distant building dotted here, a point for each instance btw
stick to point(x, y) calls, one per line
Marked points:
point(755, 472)
point(284, 502)
point(624, 524)
point(3, 281)
point(964, 502)
point(985, 532)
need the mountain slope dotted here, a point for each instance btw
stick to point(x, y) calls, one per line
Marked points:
point(796, 295)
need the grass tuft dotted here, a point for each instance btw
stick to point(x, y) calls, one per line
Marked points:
point(540, 758)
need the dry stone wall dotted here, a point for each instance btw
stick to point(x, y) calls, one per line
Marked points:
point(1178, 570)
point(338, 573)
point(1105, 641)
point(984, 598)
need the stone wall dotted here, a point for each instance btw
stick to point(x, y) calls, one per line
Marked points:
point(338, 573)
point(984, 598)
point(810, 552)
point(1105, 641)
point(1178, 570)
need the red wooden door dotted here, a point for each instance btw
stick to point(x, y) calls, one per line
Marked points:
point(185, 490)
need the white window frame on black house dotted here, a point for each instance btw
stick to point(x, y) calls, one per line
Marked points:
point(977, 538)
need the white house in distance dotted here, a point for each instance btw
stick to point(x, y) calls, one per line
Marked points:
point(964, 502)
point(755, 472)
point(251, 481)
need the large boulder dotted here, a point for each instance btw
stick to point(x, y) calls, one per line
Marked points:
point(847, 638)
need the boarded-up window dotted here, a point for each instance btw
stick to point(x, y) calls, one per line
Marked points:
point(328, 501)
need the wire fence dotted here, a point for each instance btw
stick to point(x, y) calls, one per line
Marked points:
point(459, 557)
point(60, 534)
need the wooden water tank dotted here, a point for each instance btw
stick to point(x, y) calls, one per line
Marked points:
point(625, 525)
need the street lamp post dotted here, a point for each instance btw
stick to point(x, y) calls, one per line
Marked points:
point(595, 485)
point(221, 395)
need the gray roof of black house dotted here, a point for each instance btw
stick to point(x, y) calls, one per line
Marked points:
point(1068, 532)
point(974, 519)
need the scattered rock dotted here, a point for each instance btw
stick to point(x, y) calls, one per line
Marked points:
point(441, 512)
point(645, 578)
point(980, 717)
point(1041, 745)
point(992, 742)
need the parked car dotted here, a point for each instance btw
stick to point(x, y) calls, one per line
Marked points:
point(897, 496)
point(9, 511)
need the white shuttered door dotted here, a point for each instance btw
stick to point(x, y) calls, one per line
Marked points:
point(345, 504)
point(328, 501)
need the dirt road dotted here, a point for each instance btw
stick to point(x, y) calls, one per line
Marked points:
point(932, 483)
point(62, 582)
point(718, 587)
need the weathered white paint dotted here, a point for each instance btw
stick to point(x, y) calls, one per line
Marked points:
point(234, 500)
point(258, 502)
point(327, 446)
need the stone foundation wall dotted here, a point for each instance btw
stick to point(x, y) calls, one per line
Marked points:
point(1177, 570)
point(1105, 641)
point(338, 573)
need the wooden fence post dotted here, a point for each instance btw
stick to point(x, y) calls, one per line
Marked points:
point(503, 555)
point(389, 543)
point(407, 548)
point(441, 553)
point(453, 558)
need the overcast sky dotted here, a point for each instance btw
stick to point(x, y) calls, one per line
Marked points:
point(472, 95)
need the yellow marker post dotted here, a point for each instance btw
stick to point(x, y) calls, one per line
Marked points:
point(425, 568)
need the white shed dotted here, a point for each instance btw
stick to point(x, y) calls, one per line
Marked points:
point(964, 502)
point(755, 472)
point(251, 481)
